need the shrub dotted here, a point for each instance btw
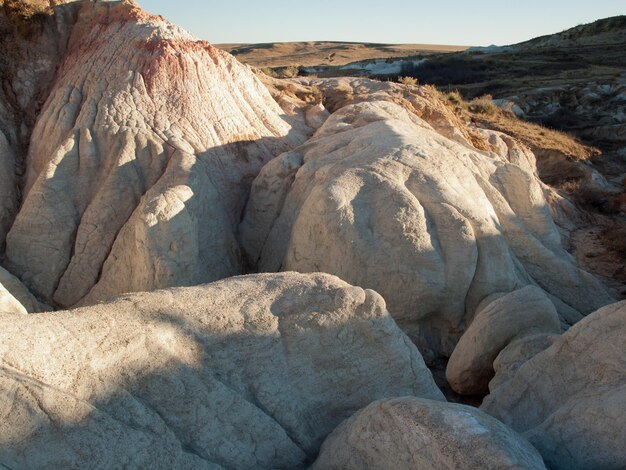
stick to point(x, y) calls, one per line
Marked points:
point(454, 97)
point(409, 81)
point(483, 105)
point(27, 8)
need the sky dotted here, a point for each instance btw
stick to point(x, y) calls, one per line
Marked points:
point(455, 22)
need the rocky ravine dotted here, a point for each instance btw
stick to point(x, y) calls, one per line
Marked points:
point(136, 158)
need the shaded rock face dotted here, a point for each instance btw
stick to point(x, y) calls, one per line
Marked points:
point(30, 49)
point(413, 433)
point(250, 372)
point(570, 399)
point(140, 161)
point(382, 200)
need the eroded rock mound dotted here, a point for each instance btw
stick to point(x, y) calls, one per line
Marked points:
point(381, 199)
point(413, 433)
point(140, 161)
point(250, 372)
point(570, 399)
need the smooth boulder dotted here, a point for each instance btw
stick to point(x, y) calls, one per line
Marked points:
point(249, 372)
point(16, 298)
point(569, 400)
point(521, 313)
point(413, 434)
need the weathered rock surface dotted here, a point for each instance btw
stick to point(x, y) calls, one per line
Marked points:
point(140, 161)
point(249, 372)
point(16, 298)
point(382, 200)
point(570, 399)
point(524, 312)
point(413, 433)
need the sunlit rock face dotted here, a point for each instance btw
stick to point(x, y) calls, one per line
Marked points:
point(569, 400)
point(249, 372)
point(140, 160)
point(381, 199)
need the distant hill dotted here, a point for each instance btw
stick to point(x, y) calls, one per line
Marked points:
point(314, 53)
point(601, 32)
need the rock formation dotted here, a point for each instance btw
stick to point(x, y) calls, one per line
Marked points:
point(570, 399)
point(134, 157)
point(250, 372)
point(139, 162)
point(381, 199)
point(412, 433)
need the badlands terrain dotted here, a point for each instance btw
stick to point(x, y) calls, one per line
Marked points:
point(206, 266)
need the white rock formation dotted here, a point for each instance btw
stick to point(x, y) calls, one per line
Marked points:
point(521, 313)
point(382, 200)
point(570, 399)
point(140, 161)
point(413, 434)
point(249, 372)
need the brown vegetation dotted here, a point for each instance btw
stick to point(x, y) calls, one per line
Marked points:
point(26, 9)
point(484, 113)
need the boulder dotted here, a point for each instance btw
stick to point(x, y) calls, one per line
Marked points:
point(140, 161)
point(521, 313)
point(516, 353)
point(249, 372)
point(413, 433)
point(17, 295)
point(383, 200)
point(570, 399)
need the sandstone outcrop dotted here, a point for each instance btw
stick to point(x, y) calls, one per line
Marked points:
point(249, 372)
point(413, 433)
point(383, 200)
point(570, 399)
point(140, 160)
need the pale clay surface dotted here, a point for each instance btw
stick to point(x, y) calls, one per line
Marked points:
point(570, 399)
point(413, 434)
point(249, 372)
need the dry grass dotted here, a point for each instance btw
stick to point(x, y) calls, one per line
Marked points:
point(484, 113)
point(410, 81)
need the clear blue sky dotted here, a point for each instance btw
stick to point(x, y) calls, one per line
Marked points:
point(479, 22)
